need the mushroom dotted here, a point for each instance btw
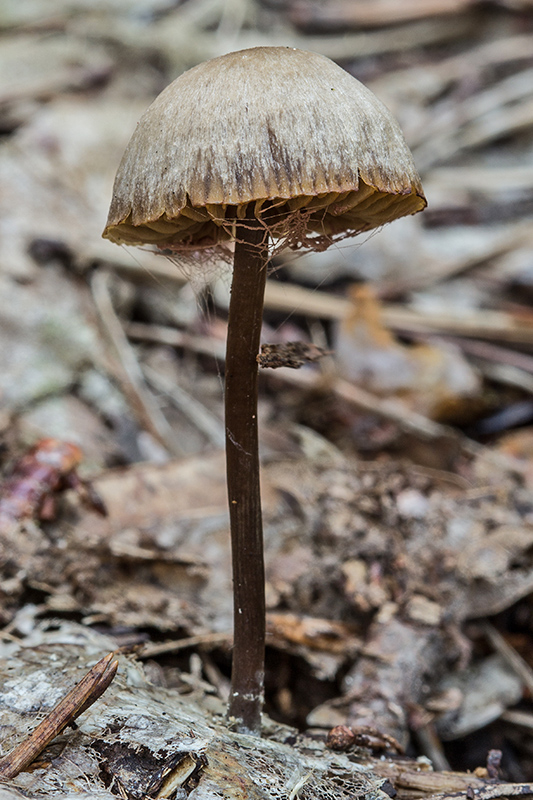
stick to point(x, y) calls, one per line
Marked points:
point(270, 144)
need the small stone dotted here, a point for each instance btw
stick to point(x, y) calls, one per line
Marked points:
point(412, 504)
point(340, 738)
point(420, 609)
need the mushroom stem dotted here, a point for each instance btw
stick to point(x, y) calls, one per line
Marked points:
point(242, 464)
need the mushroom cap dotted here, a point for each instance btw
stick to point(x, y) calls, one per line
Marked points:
point(289, 131)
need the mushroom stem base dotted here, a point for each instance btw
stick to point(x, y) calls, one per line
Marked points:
point(242, 460)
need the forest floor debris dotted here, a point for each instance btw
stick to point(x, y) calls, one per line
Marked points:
point(399, 529)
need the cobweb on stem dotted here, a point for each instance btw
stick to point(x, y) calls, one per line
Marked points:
point(205, 261)
point(201, 267)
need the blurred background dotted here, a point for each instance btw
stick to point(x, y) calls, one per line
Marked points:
point(428, 324)
point(75, 77)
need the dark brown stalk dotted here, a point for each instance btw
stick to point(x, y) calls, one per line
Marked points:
point(242, 460)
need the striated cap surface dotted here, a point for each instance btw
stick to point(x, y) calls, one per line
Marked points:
point(313, 149)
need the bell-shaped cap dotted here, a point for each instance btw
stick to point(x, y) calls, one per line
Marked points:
point(314, 151)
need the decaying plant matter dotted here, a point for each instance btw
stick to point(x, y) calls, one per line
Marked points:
point(78, 700)
point(141, 740)
point(74, 80)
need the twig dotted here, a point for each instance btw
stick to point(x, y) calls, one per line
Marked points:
point(513, 659)
point(161, 334)
point(494, 791)
point(511, 368)
point(472, 60)
point(372, 13)
point(500, 325)
point(176, 41)
point(489, 180)
point(233, 17)
point(457, 117)
point(385, 408)
point(514, 237)
point(212, 639)
point(491, 352)
point(508, 376)
point(396, 412)
point(522, 718)
point(206, 422)
point(78, 700)
point(128, 371)
point(145, 265)
point(492, 325)
point(286, 297)
point(431, 746)
point(389, 409)
point(500, 110)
